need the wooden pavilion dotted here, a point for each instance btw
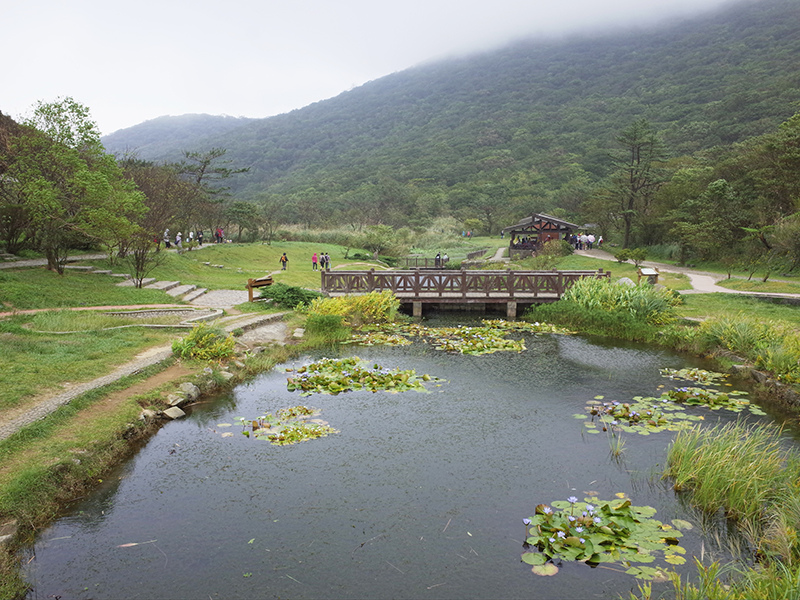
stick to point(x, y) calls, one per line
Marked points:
point(530, 233)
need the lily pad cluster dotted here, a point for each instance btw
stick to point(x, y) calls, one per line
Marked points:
point(486, 339)
point(693, 374)
point(598, 531)
point(641, 415)
point(334, 376)
point(645, 415)
point(288, 426)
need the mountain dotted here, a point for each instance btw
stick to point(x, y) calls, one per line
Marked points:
point(543, 112)
point(164, 136)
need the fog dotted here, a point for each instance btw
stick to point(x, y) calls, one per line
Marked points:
point(136, 61)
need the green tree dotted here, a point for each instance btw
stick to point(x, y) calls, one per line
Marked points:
point(72, 191)
point(637, 173)
point(245, 215)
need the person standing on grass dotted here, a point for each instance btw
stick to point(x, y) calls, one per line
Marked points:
point(284, 260)
point(314, 262)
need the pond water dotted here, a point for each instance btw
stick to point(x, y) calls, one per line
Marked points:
point(418, 496)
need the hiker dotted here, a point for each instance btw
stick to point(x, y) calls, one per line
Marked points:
point(314, 262)
point(166, 238)
point(284, 259)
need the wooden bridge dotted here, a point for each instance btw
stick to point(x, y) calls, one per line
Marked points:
point(466, 287)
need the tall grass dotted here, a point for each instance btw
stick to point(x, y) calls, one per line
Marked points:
point(771, 345)
point(736, 467)
point(654, 305)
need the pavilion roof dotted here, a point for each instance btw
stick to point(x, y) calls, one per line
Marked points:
point(534, 221)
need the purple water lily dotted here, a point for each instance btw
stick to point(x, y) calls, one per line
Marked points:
point(526, 521)
point(572, 499)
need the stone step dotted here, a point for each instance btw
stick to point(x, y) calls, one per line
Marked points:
point(123, 275)
point(85, 268)
point(129, 282)
point(193, 295)
point(103, 272)
point(181, 290)
point(163, 285)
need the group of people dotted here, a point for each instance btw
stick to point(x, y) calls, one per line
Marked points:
point(585, 242)
point(321, 262)
point(440, 260)
point(179, 239)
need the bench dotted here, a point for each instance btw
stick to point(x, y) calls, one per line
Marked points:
point(256, 283)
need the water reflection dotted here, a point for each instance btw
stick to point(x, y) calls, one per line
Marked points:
point(419, 495)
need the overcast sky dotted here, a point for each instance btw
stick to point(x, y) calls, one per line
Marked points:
point(134, 61)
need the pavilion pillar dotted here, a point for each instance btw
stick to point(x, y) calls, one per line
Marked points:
point(511, 310)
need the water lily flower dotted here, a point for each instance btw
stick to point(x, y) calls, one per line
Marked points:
point(526, 521)
point(579, 529)
point(590, 507)
point(598, 520)
point(581, 540)
point(570, 518)
point(572, 499)
point(561, 534)
point(552, 540)
point(547, 510)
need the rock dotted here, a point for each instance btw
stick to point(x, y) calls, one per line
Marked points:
point(191, 391)
point(299, 333)
point(7, 531)
point(239, 364)
point(626, 281)
point(226, 375)
point(174, 413)
point(177, 400)
point(758, 375)
point(147, 415)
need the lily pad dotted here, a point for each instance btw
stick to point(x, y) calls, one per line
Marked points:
point(545, 570)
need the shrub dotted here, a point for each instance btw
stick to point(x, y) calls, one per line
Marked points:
point(288, 296)
point(205, 343)
point(653, 305)
point(375, 307)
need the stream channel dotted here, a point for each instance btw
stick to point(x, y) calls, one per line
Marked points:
point(419, 495)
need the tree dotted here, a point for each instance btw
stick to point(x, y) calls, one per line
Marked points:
point(637, 174)
point(271, 208)
point(72, 191)
point(244, 215)
point(207, 170)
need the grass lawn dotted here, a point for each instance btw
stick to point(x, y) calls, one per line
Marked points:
point(38, 288)
point(240, 262)
point(770, 287)
point(721, 304)
point(35, 363)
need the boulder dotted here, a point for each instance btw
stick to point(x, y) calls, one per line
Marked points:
point(626, 281)
point(174, 413)
point(191, 391)
point(147, 415)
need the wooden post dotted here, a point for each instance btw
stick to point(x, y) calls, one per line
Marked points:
point(371, 280)
point(249, 287)
point(463, 283)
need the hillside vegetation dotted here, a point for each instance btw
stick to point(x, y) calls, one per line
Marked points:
point(536, 119)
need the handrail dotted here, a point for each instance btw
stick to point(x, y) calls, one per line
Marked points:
point(472, 283)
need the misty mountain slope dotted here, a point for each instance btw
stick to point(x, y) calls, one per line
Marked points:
point(163, 135)
point(535, 107)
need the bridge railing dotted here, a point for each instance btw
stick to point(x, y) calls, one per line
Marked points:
point(466, 283)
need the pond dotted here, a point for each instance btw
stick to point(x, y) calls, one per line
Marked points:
point(419, 495)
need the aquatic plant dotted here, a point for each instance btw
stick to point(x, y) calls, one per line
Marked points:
point(334, 376)
point(288, 426)
point(463, 340)
point(598, 531)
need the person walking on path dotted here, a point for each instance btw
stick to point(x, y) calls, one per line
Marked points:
point(284, 259)
point(314, 265)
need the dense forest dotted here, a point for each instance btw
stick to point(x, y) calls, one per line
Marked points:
point(680, 135)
